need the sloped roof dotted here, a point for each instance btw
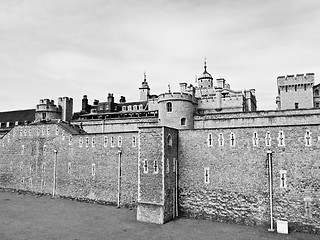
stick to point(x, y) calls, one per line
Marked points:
point(19, 115)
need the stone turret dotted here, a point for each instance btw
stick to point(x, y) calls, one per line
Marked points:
point(144, 89)
point(295, 91)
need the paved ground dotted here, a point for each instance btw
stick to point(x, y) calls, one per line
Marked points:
point(33, 217)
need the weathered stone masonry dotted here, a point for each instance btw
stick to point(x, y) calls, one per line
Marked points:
point(84, 171)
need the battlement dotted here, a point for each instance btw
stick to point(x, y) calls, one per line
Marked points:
point(295, 79)
point(47, 105)
point(178, 96)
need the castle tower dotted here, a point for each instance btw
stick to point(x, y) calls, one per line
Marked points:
point(176, 110)
point(295, 92)
point(144, 90)
point(47, 110)
point(205, 80)
point(66, 105)
point(157, 174)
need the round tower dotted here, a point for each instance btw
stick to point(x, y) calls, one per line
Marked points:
point(176, 110)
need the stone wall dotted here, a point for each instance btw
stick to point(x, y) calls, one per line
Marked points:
point(237, 190)
point(85, 171)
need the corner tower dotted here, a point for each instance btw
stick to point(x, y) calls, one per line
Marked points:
point(176, 110)
point(295, 92)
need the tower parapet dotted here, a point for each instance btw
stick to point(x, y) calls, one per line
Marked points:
point(176, 110)
point(295, 91)
point(47, 110)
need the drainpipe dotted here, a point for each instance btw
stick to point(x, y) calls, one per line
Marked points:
point(54, 173)
point(269, 154)
point(119, 177)
point(176, 172)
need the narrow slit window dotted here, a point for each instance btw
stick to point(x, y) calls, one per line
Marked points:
point(134, 141)
point(155, 166)
point(209, 140)
point(80, 141)
point(169, 107)
point(93, 143)
point(112, 141)
point(255, 139)
point(119, 141)
point(174, 164)
point(283, 179)
point(93, 169)
point(206, 175)
point(105, 141)
point(307, 207)
point(281, 138)
point(48, 131)
point(221, 140)
point(145, 166)
point(268, 139)
point(87, 142)
point(308, 138)
point(57, 131)
point(168, 165)
point(232, 140)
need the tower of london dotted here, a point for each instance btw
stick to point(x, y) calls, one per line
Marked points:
point(203, 152)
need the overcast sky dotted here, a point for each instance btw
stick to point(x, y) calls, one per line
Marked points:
point(50, 49)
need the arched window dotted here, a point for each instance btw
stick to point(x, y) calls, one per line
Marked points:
point(183, 121)
point(169, 106)
point(169, 140)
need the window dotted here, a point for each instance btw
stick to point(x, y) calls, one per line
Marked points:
point(296, 105)
point(168, 165)
point(155, 166)
point(209, 140)
point(119, 141)
point(174, 165)
point(43, 131)
point(93, 169)
point(48, 131)
point(57, 131)
point(134, 141)
point(145, 166)
point(22, 149)
point(307, 138)
point(281, 139)
point(44, 148)
point(283, 179)
point(255, 139)
point(21, 132)
point(268, 139)
point(105, 143)
point(93, 142)
point(317, 104)
point(69, 167)
point(112, 141)
point(206, 175)
point(221, 140)
point(295, 87)
point(25, 132)
point(286, 88)
point(30, 182)
point(87, 142)
point(307, 206)
point(232, 140)
point(169, 140)
point(316, 92)
point(21, 166)
point(129, 108)
point(169, 107)
point(305, 87)
point(44, 116)
point(124, 108)
point(29, 132)
point(183, 121)
point(135, 107)
point(80, 142)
